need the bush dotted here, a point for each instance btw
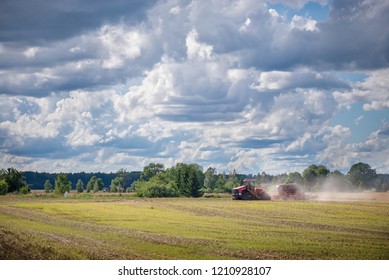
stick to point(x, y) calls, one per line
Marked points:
point(156, 187)
point(3, 187)
point(13, 178)
point(47, 186)
point(159, 191)
point(113, 188)
point(24, 190)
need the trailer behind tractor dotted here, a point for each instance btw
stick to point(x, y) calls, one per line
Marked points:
point(290, 192)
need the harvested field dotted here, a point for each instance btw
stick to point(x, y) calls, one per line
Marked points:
point(124, 227)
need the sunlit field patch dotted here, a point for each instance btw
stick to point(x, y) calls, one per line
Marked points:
point(179, 228)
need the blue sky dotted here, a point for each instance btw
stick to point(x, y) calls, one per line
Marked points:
point(248, 85)
point(361, 123)
point(314, 10)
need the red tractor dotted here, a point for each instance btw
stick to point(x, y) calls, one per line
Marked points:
point(248, 191)
point(290, 191)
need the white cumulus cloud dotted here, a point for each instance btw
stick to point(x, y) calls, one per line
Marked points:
point(196, 49)
point(232, 84)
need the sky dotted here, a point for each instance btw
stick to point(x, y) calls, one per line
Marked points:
point(256, 86)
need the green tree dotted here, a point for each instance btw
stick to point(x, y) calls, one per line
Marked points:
point(309, 174)
point(160, 185)
point(361, 186)
point(91, 184)
point(98, 185)
point(279, 178)
point(79, 186)
point(337, 182)
point(3, 187)
point(62, 184)
point(322, 171)
point(232, 181)
point(336, 174)
point(151, 170)
point(125, 177)
point(195, 180)
point(188, 179)
point(113, 188)
point(380, 186)
point(294, 177)
point(384, 185)
point(180, 180)
point(14, 179)
point(314, 175)
point(361, 174)
point(47, 186)
point(265, 178)
point(117, 185)
point(210, 179)
point(220, 183)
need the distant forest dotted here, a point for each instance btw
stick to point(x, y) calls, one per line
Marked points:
point(36, 180)
point(191, 180)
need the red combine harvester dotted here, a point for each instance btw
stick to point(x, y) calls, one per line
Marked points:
point(248, 191)
point(290, 191)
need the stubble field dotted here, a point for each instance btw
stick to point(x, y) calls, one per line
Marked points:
point(41, 226)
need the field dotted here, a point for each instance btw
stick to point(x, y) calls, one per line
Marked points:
point(39, 226)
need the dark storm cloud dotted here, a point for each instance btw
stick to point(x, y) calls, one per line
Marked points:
point(82, 62)
point(355, 37)
point(40, 21)
point(44, 42)
point(35, 147)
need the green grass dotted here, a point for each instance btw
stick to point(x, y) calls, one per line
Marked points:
point(113, 227)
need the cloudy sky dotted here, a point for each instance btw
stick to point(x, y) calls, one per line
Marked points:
point(251, 85)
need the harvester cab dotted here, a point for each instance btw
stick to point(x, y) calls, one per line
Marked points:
point(249, 191)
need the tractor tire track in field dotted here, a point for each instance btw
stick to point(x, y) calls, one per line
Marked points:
point(95, 247)
point(192, 229)
point(48, 228)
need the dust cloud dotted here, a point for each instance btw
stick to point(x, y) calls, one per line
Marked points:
point(333, 189)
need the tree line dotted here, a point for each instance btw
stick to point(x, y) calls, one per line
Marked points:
point(36, 180)
point(14, 181)
point(189, 180)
